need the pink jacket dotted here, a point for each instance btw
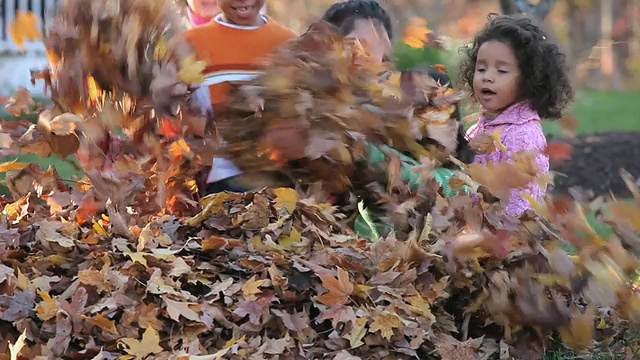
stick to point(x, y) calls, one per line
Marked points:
point(521, 131)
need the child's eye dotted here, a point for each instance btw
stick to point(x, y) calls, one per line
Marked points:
point(502, 71)
point(480, 69)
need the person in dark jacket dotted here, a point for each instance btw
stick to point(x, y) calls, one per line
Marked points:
point(355, 19)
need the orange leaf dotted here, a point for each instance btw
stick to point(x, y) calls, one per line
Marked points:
point(339, 289)
point(87, 209)
point(558, 151)
point(24, 27)
point(416, 33)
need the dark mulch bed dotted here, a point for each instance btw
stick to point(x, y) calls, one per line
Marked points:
point(596, 161)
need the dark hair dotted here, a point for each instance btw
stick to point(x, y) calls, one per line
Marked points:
point(344, 14)
point(544, 81)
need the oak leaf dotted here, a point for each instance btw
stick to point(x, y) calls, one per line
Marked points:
point(175, 309)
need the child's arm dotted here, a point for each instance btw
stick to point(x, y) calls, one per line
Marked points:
point(527, 137)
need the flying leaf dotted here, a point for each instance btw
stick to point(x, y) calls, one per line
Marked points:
point(416, 33)
point(12, 166)
point(339, 288)
point(191, 70)
point(558, 151)
point(24, 27)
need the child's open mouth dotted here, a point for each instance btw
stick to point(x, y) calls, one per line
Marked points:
point(244, 11)
point(487, 93)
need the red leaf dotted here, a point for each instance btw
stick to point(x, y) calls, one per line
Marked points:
point(558, 151)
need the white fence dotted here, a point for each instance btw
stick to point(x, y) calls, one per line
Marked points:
point(43, 9)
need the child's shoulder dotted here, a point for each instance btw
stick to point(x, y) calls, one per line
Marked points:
point(524, 136)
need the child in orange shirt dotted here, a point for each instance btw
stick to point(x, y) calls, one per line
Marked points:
point(232, 45)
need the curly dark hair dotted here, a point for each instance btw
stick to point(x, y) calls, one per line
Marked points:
point(544, 80)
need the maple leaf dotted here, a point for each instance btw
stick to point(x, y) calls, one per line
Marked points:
point(24, 27)
point(385, 323)
point(15, 348)
point(17, 307)
point(558, 151)
point(191, 70)
point(148, 345)
point(252, 288)
point(48, 308)
point(254, 308)
point(340, 288)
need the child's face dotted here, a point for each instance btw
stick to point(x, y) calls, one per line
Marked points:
point(497, 76)
point(241, 12)
point(372, 36)
point(204, 8)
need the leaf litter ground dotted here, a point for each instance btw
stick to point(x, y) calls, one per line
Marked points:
point(128, 262)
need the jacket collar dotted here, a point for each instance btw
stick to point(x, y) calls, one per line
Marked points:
point(516, 114)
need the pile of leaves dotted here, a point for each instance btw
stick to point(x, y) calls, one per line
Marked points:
point(125, 263)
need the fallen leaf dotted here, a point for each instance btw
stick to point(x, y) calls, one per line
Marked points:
point(251, 288)
point(286, 198)
point(48, 308)
point(340, 288)
point(385, 324)
point(148, 345)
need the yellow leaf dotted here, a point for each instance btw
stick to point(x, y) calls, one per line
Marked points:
point(286, 198)
point(149, 344)
point(358, 332)
point(385, 324)
point(251, 288)
point(212, 204)
point(136, 257)
point(160, 50)
point(24, 27)
point(496, 137)
point(23, 281)
point(99, 229)
point(191, 70)
point(103, 323)
point(416, 33)
point(13, 165)
point(14, 349)
point(289, 240)
point(48, 308)
point(360, 290)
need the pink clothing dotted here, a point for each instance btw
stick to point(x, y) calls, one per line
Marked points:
point(521, 131)
point(195, 19)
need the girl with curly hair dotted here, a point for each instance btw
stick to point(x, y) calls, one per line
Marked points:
point(519, 76)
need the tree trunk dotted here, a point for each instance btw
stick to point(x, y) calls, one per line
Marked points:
point(539, 11)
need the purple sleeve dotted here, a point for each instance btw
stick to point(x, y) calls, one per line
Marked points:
point(526, 137)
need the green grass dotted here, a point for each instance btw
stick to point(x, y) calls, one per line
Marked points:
point(599, 111)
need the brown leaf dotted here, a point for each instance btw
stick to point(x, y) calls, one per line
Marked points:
point(340, 288)
point(149, 344)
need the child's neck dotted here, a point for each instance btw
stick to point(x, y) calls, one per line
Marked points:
point(259, 21)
